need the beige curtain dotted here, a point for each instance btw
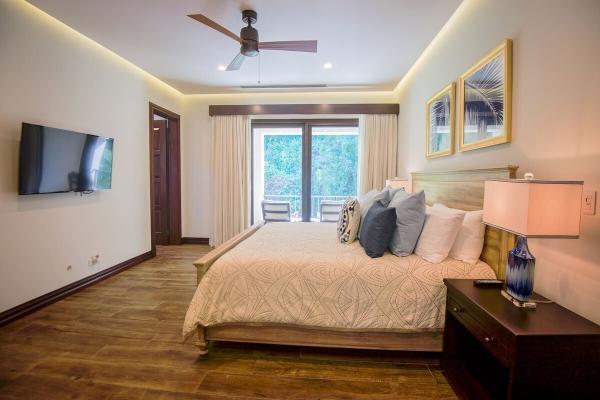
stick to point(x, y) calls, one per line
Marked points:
point(378, 150)
point(231, 176)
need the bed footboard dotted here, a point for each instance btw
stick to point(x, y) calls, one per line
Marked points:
point(203, 263)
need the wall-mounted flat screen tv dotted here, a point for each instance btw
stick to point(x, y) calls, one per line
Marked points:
point(56, 160)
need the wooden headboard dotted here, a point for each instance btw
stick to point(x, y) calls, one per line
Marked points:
point(464, 190)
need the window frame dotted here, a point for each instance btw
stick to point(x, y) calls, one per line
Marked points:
point(306, 124)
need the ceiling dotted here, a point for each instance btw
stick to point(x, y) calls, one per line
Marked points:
point(371, 44)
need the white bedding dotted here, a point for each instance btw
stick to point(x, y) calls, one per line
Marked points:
point(298, 273)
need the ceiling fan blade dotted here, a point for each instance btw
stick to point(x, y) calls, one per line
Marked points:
point(309, 46)
point(236, 63)
point(209, 22)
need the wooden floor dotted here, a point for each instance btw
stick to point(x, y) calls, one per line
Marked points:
point(121, 339)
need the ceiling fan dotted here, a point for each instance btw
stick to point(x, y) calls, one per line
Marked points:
point(248, 39)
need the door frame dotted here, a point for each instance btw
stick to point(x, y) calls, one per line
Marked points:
point(173, 173)
point(306, 124)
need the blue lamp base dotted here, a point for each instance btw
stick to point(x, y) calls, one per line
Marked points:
point(519, 271)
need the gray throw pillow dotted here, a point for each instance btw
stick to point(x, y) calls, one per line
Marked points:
point(378, 228)
point(367, 200)
point(391, 192)
point(410, 217)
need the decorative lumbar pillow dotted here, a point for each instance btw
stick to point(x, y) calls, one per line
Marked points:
point(410, 216)
point(367, 200)
point(438, 235)
point(469, 241)
point(377, 229)
point(349, 221)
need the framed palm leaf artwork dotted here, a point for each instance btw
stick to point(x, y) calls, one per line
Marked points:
point(439, 125)
point(485, 100)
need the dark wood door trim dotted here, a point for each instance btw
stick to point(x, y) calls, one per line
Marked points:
point(163, 112)
point(160, 183)
point(266, 109)
point(174, 173)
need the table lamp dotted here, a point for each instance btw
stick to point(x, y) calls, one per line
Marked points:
point(530, 208)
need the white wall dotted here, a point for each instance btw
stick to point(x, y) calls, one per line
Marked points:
point(196, 144)
point(556, 134)
point(51, 75)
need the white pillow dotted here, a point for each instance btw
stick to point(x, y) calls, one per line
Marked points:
point(438, 235)
point(469, 242)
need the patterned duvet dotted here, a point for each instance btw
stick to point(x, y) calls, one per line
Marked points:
point(298, 273)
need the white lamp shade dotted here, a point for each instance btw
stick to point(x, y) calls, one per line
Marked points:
point(534, 208)
point(397, 183)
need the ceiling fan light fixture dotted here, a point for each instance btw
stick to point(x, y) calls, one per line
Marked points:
point(250, 45)
point(328, 65)
point(221, 68)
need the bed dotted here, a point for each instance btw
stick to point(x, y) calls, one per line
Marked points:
point(294, 284)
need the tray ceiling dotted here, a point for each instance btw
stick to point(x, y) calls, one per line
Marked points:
point(371, 44)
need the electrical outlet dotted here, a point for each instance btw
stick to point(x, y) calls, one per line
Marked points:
point(94, 260)
point(589, 202)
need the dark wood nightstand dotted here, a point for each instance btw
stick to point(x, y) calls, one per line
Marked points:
point(493, 349)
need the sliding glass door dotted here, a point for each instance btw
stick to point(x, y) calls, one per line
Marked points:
point(277, 167)
point(333, 166)
point(305, 164)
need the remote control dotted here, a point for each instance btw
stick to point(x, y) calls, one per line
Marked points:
point(488, 282)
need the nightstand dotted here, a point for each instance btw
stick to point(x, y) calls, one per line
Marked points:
point(493, 349)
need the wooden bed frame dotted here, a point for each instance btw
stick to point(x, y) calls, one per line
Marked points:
point(456, 189)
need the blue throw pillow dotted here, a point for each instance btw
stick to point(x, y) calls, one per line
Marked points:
point(368, 199)
point(377, 229)
point(410, 217)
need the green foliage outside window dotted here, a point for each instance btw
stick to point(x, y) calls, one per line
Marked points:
point(334, 172)
point(283, 170)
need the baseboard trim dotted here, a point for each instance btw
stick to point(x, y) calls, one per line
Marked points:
point(194, 240)
point(24, 309)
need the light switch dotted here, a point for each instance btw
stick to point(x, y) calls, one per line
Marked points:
point(589, 202)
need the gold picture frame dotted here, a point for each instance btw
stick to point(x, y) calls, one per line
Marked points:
point(439, 116)
point(489, 94)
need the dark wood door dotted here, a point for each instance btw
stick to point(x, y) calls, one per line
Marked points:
point(160, 181)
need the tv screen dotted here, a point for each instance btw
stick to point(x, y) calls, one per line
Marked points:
point(55, 160)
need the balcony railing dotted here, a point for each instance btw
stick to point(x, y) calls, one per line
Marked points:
point(296, 204)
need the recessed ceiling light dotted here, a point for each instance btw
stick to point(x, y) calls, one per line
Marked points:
point(328, 65)
point(222, 68)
